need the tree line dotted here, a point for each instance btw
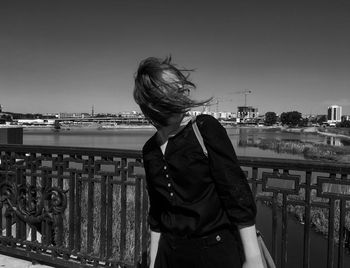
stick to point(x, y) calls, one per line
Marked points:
point(295, 119)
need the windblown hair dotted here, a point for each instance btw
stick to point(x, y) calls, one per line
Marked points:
point(159, 98)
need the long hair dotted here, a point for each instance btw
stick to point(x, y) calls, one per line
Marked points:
point(160, 98)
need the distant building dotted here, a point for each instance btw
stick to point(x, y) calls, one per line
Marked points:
point(334, 114)
point(35, 122)
point(217, 115)
point(73, 115)
point(50, 115)
point(227, 115)
point(246, 113)
point(130, 114)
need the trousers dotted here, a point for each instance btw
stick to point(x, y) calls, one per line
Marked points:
point(217, 250)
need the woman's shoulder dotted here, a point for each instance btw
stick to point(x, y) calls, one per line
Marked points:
point(207, 121)
point(149, 145)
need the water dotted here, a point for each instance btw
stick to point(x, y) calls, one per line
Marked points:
point(318, 243)
point(244, 141)
point(112, 138)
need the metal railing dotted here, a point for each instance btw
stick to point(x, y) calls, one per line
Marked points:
point(318, 193)
point(87, 207)
point(73, 207)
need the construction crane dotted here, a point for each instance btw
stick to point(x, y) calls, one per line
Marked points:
point(245, 92)
point(218, 100)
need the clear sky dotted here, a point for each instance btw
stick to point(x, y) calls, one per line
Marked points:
point(67, 55)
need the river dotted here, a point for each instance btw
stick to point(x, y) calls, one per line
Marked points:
point(245, 141)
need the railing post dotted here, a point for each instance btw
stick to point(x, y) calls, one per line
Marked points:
point(274, 223)
point(77, 227)
point(137, 220)
point(284, 227)
point(330, 255)
point(307, 213)
point(342, 214)
point(59, 224)
point(90, 205)
point(103, 228)
point(109, 217)
point(123, 200)
point(145, 230)
point(284, 231)
point(71, 210)
point(20, 224)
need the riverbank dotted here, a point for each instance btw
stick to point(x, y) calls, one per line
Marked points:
point(337, 132)
point(309, 150)
point(329, 131)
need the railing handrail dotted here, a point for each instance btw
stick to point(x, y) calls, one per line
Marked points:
point(280, 163)
point(298, 164)
point(72, 150)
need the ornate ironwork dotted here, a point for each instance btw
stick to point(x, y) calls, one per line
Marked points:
point(32, 204)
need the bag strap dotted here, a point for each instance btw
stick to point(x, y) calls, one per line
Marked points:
point(199, 135)
point(266, 257)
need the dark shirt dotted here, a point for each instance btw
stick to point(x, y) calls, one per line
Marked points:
point(191, 194)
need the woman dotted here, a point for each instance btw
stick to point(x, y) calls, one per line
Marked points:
point(202, 212)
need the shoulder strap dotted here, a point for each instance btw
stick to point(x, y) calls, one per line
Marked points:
point(199, 136)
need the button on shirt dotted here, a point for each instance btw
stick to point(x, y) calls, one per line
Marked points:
point(191, 194)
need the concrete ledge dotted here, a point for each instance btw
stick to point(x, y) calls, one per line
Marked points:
point(10, 262)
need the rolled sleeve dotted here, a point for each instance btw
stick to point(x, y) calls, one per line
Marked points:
point(154, 210)
point(231, 184)
point(153, 213)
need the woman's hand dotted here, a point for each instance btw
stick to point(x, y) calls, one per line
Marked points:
point(253, 262)
point(251, 247)
point(153, 247)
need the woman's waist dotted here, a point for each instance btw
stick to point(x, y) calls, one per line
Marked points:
point(212, 237)
point(187, 226)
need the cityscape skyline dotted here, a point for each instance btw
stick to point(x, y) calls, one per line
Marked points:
point(70, 55)
point(206, 110)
